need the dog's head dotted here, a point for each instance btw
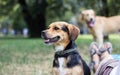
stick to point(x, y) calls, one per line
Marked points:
point(87, 16)
point(60, 32)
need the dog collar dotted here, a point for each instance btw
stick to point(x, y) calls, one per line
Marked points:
point(64, 52)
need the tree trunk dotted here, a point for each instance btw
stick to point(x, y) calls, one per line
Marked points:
point(37, 23)
point(104, 9)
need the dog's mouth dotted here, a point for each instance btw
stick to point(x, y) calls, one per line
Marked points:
point(91, 23)
point(51, 40)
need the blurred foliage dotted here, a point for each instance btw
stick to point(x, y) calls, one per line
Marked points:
point(10, 10)
point(10, 13)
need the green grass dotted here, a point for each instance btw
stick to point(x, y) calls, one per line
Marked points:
point(33, 57)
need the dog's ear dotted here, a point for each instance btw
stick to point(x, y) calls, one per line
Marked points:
point(73, 32)
point(81, 17)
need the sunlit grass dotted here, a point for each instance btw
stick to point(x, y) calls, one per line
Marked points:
point(115, 36)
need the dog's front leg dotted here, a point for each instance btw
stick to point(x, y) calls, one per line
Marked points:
point(94, 37)
point(99, 37)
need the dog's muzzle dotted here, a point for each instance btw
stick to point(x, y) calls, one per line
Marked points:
point(91, 23)
point(49, 39)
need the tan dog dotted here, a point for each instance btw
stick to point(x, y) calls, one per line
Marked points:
point(98, 25)
point(67, 60)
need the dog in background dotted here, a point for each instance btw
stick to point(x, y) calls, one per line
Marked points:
point(99, 26)
point(67, 60)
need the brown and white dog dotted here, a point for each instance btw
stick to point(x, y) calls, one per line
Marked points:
point(99, 26)
point(67, 60)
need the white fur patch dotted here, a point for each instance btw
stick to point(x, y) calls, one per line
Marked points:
point(61, 66)
point(61, 60)
point(59, 48)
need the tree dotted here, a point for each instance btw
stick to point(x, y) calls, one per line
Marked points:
point(36, 22)
point(35, 14)
point(38, 14)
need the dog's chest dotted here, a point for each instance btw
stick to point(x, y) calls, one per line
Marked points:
point(61, 66)
point(61, 61)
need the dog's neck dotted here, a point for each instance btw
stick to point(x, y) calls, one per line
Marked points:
point(62, 47)
point(59, 48)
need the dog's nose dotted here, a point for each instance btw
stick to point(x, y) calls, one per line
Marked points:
point(91, 19)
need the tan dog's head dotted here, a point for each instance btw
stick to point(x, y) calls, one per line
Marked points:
point(59, 33)
point(87, 16)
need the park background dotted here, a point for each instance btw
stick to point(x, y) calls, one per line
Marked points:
point(23, 52)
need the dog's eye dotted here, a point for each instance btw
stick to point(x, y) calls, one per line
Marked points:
point(48, 28)
point(56, 28)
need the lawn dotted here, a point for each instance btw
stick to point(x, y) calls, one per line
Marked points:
point(33, 57)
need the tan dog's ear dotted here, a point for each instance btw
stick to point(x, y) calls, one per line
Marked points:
point(73, 32)
point(81, 18)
